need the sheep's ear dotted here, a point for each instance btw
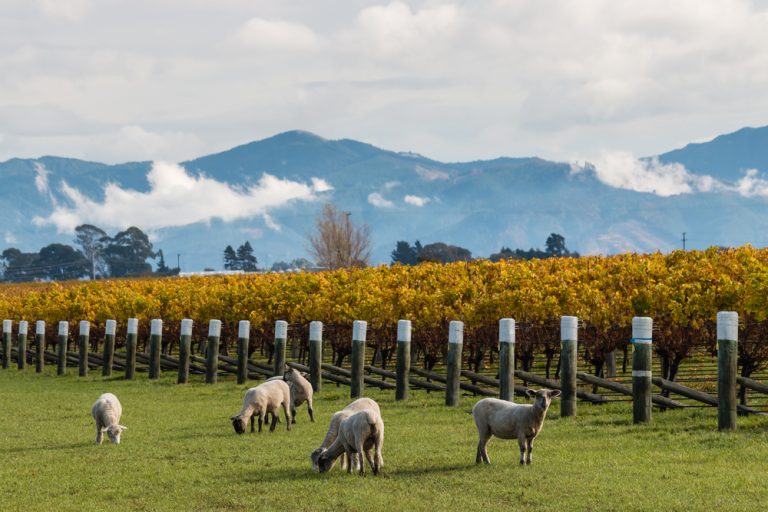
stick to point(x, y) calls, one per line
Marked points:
point(554, 393)
point(531, 393)
point(123, 427)
point(232, 418)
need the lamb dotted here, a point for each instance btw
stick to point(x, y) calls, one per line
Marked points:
point(508, 420)
point(333, 428)
point(267, 397)
point(358, 434)
point(301, 391)
point(107, 411)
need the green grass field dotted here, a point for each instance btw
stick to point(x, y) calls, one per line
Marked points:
point(181, 453)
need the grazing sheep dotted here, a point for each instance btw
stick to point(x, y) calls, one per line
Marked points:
point(333, 428)
point(265, 398)
point(508, 420)
point(301, 391)
point(358, 434)
point(107, 411)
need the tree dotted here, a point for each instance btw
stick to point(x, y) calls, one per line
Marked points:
point(245, 258)
point(127, 253)
point(60, 262)
point(444, 253)
point(92, 240)
point(230, 258)
point(338, 243)
point(405, 254)
point(163, 269)
point(555, 246)
point(295, 264)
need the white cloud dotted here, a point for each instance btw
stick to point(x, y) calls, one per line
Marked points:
point(416, 200)
point(267, 34)
point(320, 185)
point(176, 198)
point(391, 184)
point(752, 184)
point(377, 200)
point(9, 238)
point(623, 170)
point(41, 179)
point(431, 174)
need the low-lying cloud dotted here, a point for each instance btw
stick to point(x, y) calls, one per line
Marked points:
point(416, 200)
point(378, 200)
point(177, 198)
point(623, 170)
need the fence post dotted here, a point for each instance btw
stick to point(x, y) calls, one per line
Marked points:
point(507, 359)
point(212, 352)
point(610, 364)
point(569, 326)
point(82, 344)
point(642, 351)
point(243, 339)
point(21, 353)
point(316, 355)
point(61, 366)
point(155, 346)
point(727, 358)
point(109, 348)
point(357, 358)
point(281, 337)
point(39, 346)
point(130, 348)
point(403, 363)
point(185, 346)
point(7, 333)
point(453, 360)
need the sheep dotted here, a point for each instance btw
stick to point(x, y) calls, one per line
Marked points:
point(301, 391)
point(107, 411)
point(508, 420)
point(333, 429)
point(358, 434)
point(265, 398)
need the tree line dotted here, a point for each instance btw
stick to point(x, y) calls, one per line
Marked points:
point(98, 256)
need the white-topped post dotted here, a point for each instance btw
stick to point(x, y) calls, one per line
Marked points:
point(108, 357)
point(131, 342)
point(569, 330)
point(7, 334)
point(61, 366)
point(281, 339)
point(357, 358)
point(453, 362)
point(243, 340)
point(82, 345)
point(507, 359)
point(727, 368)
point(39, 346)
point(642, 352)
point(403, 363)
point(212, 352)
point(155, 347)
point(185, 348)
point(21, 352)
point(316, 355)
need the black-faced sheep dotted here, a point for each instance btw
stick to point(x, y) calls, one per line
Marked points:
point(333, 428)
point(267, 397)
point(359, 433)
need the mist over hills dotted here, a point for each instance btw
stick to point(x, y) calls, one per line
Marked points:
point(269, 191)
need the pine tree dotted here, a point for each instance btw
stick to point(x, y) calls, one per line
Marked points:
point(246, 260)
point(230, 259)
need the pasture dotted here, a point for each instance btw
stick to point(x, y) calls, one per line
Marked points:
point(181, 453)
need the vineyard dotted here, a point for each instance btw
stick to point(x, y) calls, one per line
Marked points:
point(682, 292)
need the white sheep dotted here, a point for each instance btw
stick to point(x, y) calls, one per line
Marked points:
point(267, 397)
point(107, 411)
point(358, 434)
point(508, 420)
point(333, 429)
point(301, 391)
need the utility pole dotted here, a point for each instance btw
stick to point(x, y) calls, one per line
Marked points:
point(683, 240)
point(178, 261)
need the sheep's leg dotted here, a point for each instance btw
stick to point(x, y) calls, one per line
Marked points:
point(311, 413)
point(522, 443)
point(99, 435)
point(378, 459)
point(274, 423)
point(371, 462)
point(344, 461)
point(482, 448)
point(253, 419)
point(261, 421)
point(349, 458)
point(293, 415)
point(530, 450)
point(288, 418)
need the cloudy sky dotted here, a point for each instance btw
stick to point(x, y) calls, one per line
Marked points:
point(117, 80)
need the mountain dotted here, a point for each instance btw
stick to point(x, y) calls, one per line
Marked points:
point(482, 205)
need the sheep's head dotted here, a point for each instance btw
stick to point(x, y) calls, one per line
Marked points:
point(543, 397)
point(239, 424)
point(324, 461)
point(114, 433)
point(314, 457)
